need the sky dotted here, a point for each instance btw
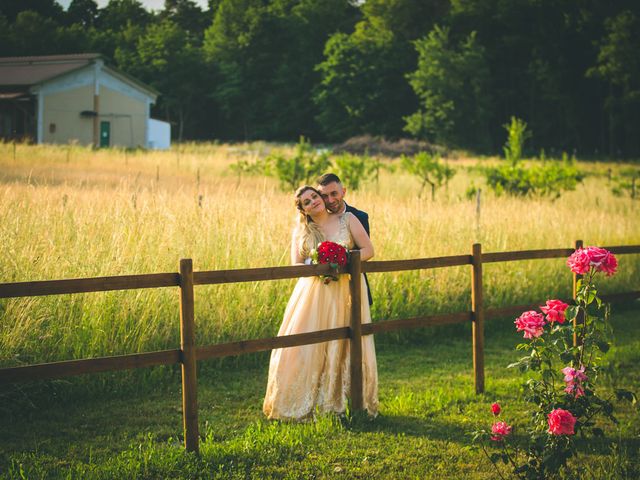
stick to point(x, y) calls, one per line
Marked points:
point(148, 4)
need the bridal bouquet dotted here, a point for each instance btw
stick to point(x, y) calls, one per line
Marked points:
point(331, 253)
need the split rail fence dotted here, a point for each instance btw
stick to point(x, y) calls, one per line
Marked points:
point(189, 353)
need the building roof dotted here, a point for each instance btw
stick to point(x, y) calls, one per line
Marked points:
point(19, 73)
point(27, 71)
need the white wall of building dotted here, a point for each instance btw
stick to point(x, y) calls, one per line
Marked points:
point(159, 134)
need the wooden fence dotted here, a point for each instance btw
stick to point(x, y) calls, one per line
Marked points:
point(189, 353)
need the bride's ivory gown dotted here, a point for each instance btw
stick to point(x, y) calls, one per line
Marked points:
point(310, 378)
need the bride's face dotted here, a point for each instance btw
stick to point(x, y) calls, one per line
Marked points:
point(312, 203)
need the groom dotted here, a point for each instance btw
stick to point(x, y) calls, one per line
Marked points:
point(332, 192)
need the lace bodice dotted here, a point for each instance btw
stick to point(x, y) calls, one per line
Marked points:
point(343, 235)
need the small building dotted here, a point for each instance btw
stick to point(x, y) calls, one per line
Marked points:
point(76, 98)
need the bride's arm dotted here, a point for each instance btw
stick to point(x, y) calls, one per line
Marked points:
point(361, 239)
point(296, 257)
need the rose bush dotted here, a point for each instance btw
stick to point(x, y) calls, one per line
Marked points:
point(565, 347)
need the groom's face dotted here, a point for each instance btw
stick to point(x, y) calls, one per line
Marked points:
point(333, 194)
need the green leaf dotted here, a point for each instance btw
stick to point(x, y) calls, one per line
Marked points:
point(603, 346)
point(571, 312)
point(566, 356)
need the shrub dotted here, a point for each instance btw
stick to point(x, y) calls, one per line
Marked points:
point(352, 169)
point(551, 178)
point(429, 169)
point(627, 183)
point(565, 401)
point(303, 168)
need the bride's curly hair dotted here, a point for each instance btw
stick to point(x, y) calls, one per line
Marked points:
point(308, 233)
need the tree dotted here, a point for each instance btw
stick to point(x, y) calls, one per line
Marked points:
point(302, 168)
point(188, 16)
point(618, 64)
point(118, 13)
point(34, 34)
point(429, 169)
point(363, 89)
point(451, 83)
point(82, 12)
point(45, 8)
point(264, 56)
point(166, 60)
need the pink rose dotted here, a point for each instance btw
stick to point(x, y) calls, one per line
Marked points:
point(603, 260)
point(561, 422)
point(579, 262)
point(555, 311)
point(532, 323)
point(597, 255)
point(500, 430)
point(573, 375)
point(495, 408)
point(574, 379)
point(575, 389)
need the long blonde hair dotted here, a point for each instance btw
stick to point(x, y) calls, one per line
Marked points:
point(308, 233)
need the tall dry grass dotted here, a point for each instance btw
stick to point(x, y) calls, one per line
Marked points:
point(72, 212)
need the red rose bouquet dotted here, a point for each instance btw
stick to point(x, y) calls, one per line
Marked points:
point(334, 254)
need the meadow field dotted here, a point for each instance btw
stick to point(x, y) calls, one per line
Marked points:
point(70, 212)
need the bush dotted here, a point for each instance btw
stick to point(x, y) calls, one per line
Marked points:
point(429, 170)
point(551, 178)
point(302, 168)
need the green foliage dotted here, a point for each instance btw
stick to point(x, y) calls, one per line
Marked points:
point(627, 183)
point(429, 169)
point(517, 134)
point(451, 83)
point(334, 69)
point(548, 179)
point(543, 452)
point(302, 168)
point(353, 169)
point(164, 57)
point(362, 89)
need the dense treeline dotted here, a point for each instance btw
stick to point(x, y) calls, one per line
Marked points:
point(447, 71)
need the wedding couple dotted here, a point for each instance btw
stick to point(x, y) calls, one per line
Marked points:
point(310, 378)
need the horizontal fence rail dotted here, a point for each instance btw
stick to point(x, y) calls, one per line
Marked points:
point(189, 353)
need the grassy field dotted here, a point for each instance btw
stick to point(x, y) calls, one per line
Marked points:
point(72, 212)
point(427, 411)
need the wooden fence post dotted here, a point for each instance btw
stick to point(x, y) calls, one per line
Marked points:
point(579, 318)
point(477, 310)
point(188, 357)
point(355, 347)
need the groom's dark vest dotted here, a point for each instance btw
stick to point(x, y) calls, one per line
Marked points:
point(364, 220)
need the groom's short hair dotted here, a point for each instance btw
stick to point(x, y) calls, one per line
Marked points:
point(328, 178)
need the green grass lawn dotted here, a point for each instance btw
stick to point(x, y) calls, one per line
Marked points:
point(129, 425)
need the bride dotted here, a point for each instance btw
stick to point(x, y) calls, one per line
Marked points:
point(310, 378)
